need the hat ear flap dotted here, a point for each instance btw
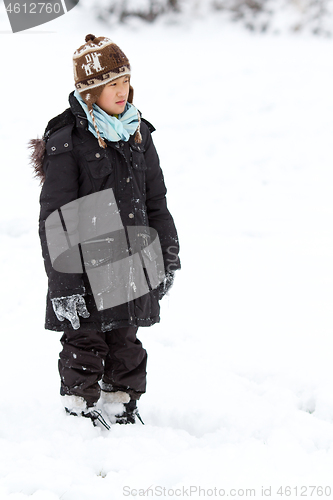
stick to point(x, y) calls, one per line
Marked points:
point(130, 95)
point(90, 96)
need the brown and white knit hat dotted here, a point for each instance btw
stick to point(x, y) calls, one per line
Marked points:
point(96, 63)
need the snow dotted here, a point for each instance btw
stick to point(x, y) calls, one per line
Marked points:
point(240, 368)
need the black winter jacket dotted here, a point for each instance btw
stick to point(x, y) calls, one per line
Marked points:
point(71, 164)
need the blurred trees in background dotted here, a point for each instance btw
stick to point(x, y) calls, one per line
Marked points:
point(315, 16)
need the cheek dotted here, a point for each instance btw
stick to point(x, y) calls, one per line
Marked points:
point(108, 94)
point(101, 99)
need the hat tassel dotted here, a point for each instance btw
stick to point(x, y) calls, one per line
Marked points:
point(100, 140)
point(138, 136)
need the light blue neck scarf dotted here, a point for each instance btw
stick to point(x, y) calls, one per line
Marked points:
point(111, 128)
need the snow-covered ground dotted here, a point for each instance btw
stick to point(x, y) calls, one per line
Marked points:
point(240, 375)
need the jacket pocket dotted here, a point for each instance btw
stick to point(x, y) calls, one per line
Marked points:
point(99, 163)
point(138, 158)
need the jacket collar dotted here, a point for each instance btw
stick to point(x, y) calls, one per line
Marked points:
point(76, 108)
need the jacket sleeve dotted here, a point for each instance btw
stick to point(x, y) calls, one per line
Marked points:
point(158, 214)
point(61, 186)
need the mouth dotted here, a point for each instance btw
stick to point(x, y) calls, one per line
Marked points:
point(120, 103)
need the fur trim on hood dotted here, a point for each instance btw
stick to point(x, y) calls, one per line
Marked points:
point(37, 154)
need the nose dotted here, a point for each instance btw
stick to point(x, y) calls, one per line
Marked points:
point(122, 90)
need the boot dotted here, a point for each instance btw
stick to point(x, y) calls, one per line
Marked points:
point(78, 407)
point(119, 407)
point(129, 414)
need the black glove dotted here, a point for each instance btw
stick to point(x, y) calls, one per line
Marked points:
point(166, 284)
point(69, 308)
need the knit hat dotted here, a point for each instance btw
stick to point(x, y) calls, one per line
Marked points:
point(96, 63)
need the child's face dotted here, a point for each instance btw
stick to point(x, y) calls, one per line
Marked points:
point(114, 96)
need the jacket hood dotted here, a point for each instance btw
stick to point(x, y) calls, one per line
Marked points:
point(38, 146)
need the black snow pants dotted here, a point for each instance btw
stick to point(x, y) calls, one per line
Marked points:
point(116, 358)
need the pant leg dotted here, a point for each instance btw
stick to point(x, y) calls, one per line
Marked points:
point(81, 363)
point(126, 362)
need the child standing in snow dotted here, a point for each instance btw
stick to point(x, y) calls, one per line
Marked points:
point(101, 142)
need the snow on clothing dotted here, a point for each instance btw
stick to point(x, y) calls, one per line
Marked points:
point(74, 166)
point(110, 127)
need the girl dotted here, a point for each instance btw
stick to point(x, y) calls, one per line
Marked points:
point(101, 142)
